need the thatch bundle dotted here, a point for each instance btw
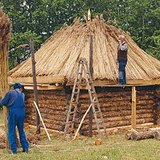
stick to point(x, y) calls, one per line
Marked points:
point(4, 44)
point(4, 29)
point(57, 59)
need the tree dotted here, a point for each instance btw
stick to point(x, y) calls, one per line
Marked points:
point(41, 18)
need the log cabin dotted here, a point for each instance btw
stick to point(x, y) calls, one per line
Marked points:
point(56, 65)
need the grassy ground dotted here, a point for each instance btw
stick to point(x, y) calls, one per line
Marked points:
point(114, 147)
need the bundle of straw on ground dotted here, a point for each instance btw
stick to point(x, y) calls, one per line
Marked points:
point(4, 44)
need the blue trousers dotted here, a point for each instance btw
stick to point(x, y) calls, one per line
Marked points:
point(122, 72)
point(16, 118)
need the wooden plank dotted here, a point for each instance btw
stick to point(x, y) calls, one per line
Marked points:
point(50, 79)
point(43, 88)
point(108, 83)
point(133, 117)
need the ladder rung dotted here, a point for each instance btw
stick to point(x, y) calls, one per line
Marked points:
point(94, 101)
point(74, 103)
point(97, 111)
point(99, 121)
point(72, 112)
point(68, 122)
point(93, 92)
point(75, 92)
point(71, 116)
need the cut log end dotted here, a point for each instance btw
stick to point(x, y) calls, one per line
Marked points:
point(134, 135)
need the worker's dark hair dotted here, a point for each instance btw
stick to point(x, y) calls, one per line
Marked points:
point(17, 85)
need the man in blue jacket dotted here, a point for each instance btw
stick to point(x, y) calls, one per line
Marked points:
point(14, 101)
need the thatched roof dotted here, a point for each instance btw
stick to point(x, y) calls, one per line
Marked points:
point(57, 59)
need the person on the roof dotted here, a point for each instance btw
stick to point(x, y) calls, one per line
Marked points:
point(122, 58)
point(14, 101)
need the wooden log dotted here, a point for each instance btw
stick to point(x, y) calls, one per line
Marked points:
point(118, 123)
point(31, 45)
point(54, 119)
point(134, 135)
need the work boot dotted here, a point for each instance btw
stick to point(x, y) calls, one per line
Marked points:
point(25, 150)
point(13, 152)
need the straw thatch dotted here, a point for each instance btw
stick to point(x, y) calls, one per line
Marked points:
point(4, 43)
point(57, 59)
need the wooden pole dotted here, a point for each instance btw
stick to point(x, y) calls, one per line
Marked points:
point(133, 121)
point(42, 121)
point(91, 55)
point(89, 108)
point(91, 71)
point(35, 84)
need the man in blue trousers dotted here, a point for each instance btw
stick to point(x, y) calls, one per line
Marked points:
point(14, 101)
point(122, 59)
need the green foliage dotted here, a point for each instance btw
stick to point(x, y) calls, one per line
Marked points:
point(20, 47)
point(40, 18)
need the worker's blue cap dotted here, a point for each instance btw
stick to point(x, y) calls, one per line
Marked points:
point(17, 85)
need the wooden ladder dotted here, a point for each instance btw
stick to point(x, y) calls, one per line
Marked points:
point(83, 70)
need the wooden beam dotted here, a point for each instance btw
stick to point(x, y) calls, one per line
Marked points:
point(35, 84)
point(44, 88)
point(91, 72)
point(112, 83)
point(133, 117)
point(51, 79)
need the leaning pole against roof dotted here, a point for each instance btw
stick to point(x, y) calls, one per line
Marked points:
point(5, 30)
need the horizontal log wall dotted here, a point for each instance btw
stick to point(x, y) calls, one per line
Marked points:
point(157, 96)
point(115, 105)
point(52, 105)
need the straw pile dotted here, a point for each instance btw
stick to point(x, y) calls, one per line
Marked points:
point(57, 59)
point(4, 43)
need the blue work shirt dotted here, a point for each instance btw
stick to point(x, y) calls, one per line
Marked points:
point(13, 100)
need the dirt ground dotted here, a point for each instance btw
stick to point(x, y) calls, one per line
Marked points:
point(2, 138)
point(30, 133)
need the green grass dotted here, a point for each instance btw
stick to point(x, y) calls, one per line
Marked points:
point(114, 147)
